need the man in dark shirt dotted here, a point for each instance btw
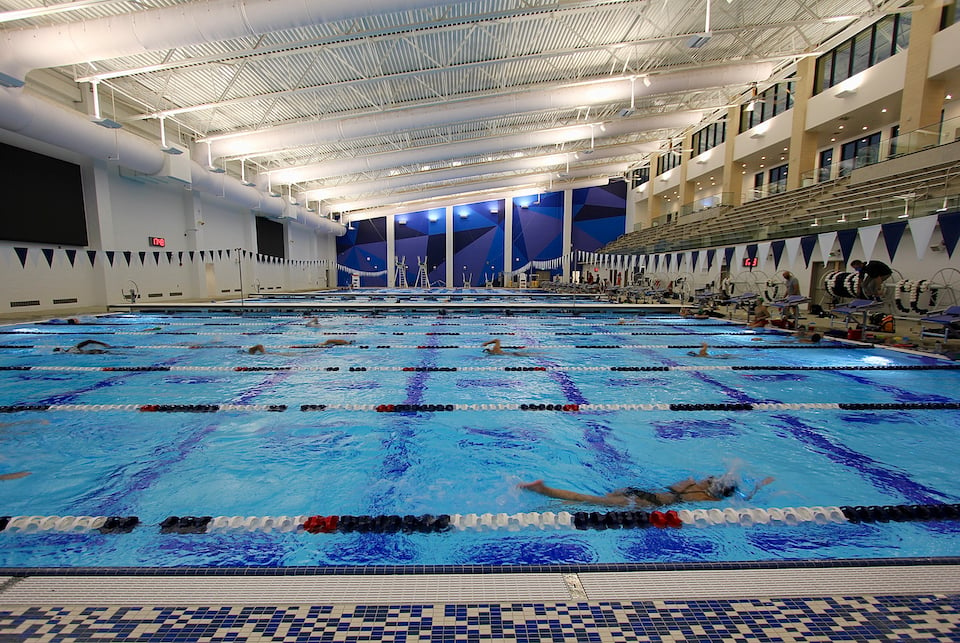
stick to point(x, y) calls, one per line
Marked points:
point(872, 276)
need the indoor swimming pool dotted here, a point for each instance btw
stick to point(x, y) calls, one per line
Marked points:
point(178, 447)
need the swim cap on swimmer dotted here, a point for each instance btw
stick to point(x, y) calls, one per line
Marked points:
point(723, 486)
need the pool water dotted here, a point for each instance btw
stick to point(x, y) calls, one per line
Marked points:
point(309, 431)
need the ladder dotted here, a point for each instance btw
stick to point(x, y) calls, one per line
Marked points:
point(402, 273)
point(423, 281)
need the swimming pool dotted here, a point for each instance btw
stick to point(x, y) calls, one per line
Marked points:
point(406, 446)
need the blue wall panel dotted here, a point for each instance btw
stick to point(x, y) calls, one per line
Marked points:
point(537, 228)
point(364, 248)
point(599, 215)
point(477, 242)
point(423, 235)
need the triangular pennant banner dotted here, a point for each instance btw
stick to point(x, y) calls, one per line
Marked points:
point(763, 251)
point(156, 258)
point(92, 257)
point(110, 255)
point(728, 257)
point(868, 240)
point(892, 235)
point(826, 239)
point(48, 255)
point(191, 253)
point(777, 247)
point(751, 250)
point(793, 248)
point(71, 256)
point(22, 254)
point(847, 238)
point(950, 229)
point(739, 253)
point(203, 255)
point(143, 257)
point(807, 244)
point(127, 255)
point(711, 255)
point(922, 230)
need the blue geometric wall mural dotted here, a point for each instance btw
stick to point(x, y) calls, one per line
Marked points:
point(477, 242)
point(537, 228)
point(420, 235)
point(599, 215)
point(364, 248)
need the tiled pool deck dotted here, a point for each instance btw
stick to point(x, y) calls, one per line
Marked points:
point(919, 601)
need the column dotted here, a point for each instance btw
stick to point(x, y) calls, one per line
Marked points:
point(922, 101)
point(448, 246)
point(391, 251)
point(732, 186)
point(688, 189)
point(567, 244)
point(803, 144)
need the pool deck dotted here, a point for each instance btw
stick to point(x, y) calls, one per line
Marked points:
point(857, 601)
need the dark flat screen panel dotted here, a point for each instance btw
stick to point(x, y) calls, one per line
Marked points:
point(43, 200)
point(270, 238)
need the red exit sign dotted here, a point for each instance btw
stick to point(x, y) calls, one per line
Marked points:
point(157, 242)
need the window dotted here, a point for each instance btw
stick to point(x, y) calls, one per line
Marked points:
point(859, 153)
point(826, 165)
point(709, 136)
point(860, 59)
point(903, 32)
point(778, 179)
point(841, 63)
point(883, 40)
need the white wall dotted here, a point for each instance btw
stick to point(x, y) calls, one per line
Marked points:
point(122, 213)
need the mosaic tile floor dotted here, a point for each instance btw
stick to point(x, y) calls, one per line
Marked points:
point(882, 618)
point(879, 603)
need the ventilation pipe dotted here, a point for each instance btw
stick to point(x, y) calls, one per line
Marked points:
point(527, 164)
point(38, 119)
point(481, 147)
point(173, 27)
point(414, 118)
point(586, 177)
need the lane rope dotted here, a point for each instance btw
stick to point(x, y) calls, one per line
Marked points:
point(544, 521)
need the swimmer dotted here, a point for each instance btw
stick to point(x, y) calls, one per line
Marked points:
point(704, 352)
point(761, 316)
point(86, 347)
point(14, 476)
point(493, 347)
point(260, 349)
point(313, 322)
point(709, 489)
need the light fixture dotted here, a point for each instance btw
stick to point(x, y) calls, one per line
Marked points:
point(815, 224)
point(866, 216)
point(846, 92)
point(464, 214)
point(102, 121)
point(750, 106)
point(433, 218)
point(843, 218)
point(699, 40)
point(270, 191)
point(210, 166)
point(948, 97)
point(169, 149)
point(243, 175)
point(756, 135)
point(401, 222)
point(646, 81)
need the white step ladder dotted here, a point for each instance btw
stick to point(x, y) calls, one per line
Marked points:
point(423, 281)
point(402, 273)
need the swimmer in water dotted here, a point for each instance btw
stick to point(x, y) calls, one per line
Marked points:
point(709, 489)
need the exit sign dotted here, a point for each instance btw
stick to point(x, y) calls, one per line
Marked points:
point(157, 242)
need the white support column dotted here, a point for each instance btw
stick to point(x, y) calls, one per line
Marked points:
point(391, 251)
point(507, 237)
point(567, 245)
point(448, 245)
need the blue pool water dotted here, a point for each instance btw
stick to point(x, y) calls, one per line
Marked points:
point(96, 453)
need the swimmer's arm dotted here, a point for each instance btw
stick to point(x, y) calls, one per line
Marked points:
point(757, 487)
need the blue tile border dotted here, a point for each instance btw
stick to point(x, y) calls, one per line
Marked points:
point(386, 570)
point(799, 620)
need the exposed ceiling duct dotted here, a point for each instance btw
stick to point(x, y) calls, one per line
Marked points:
point(170, 27)
point(40, 120)
point(482, 146)
point(600, 92)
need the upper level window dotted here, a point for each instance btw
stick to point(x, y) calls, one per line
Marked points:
point(874, 44)
point(709, 136)
point(775, 100)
